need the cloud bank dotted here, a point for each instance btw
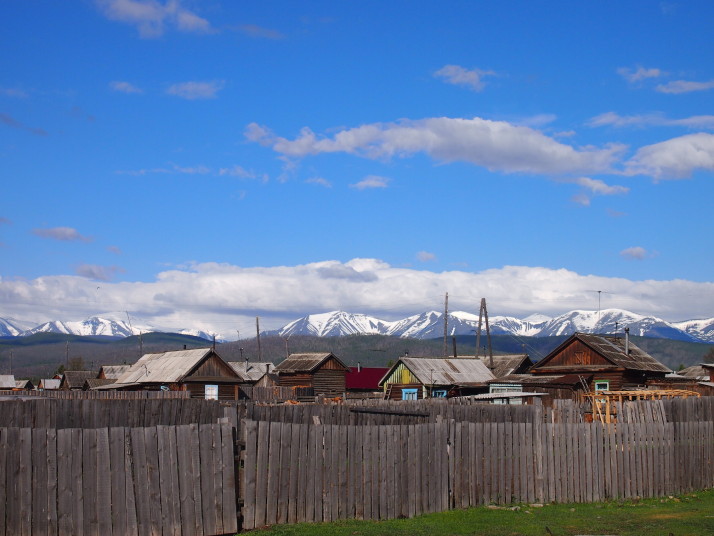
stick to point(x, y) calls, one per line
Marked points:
point(226, 297)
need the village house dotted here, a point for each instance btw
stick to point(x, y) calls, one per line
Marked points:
point(73, 380)
point(24, 385)
point(252, 371)
point(49, 384)
point(112, 372)
point(413, 378)
point(324, 372)
point(602, 363)
point(201, 372)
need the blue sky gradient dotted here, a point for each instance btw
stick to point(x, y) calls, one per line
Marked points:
point(153, 153)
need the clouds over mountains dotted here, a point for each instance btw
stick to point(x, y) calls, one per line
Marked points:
point(225, 297)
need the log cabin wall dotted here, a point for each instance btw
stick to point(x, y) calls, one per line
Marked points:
point(329, 381)
point(295, 380)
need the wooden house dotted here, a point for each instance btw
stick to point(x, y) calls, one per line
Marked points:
point(200, 371)
point(112, 372)
point(506, 364)
point(606, 363)
point(324, 372)
point(413, 378)
point(73, 380)
point(49, 384)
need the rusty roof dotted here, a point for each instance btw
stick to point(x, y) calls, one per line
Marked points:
point(308, 362)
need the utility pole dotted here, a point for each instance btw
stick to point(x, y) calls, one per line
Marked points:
point(257, 329)
point(446, 325)
point(483, 312)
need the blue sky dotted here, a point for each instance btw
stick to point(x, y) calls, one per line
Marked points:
point(200, 163)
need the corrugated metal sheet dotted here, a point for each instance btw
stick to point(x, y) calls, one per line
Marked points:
point(252, 371)
point(7, 381)
point(613, 349)
point(304, 362)
point(438, 371)
point(165, 367)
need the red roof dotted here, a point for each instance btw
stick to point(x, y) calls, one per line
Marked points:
point(366, 378)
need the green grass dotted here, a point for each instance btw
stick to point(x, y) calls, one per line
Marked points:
point(686, 515)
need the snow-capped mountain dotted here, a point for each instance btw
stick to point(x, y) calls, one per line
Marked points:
point(333, 324)
point(430, 325)
point(9, 327)
point(89, 327)
point(426, 325)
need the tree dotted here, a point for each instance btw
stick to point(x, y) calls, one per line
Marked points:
point(709, 356)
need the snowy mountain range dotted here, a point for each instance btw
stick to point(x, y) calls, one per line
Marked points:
point(431, 325)
point(426, 325)
point(94, 326)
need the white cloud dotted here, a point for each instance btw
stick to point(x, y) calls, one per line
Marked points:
point(652, 119)
point(598, 187)
point(242, 173)
point(253, 30)
point(152, 17)
point(125, 87)
point(684, 86)
point(63, 234)
point(460, 76)
point(196, 90)
point(98, 273)
point(371, 181)
point(674, 158)
point(496, 145)
point(14, 92)
point(636, 253)
point(226, 297)
point(639, 73)
point(184, 170)
point(320, 182)
point(425, 256)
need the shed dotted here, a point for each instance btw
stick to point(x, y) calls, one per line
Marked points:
point(612, 363)
point(93, 383)
point(202, 372)
point(413, 378)
point(324, 372)
point(73, 380)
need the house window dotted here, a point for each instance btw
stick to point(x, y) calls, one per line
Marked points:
point(602, 385)
point(439, 393)
point(211, 392)
point(409, 394)
point(506, 388)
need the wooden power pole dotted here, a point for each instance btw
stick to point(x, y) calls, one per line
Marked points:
point(446, 325)
point(483, 313)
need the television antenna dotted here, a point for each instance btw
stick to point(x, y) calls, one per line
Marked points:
point(599, 296)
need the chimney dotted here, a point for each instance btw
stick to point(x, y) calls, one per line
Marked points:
point(359, 367)
point(184, 346)
point(627, 341)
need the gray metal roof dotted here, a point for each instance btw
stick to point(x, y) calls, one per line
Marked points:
point(113, 372)
point(7, 381)
point(613, 348)
point(304, 362)
point(50, 383)
point(252, 371)
point(439, 371)
point(164, 367)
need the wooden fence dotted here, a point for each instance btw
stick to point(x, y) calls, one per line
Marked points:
point(102, 395)
point(305, 472)
point(79, 413)
point(121, 481)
